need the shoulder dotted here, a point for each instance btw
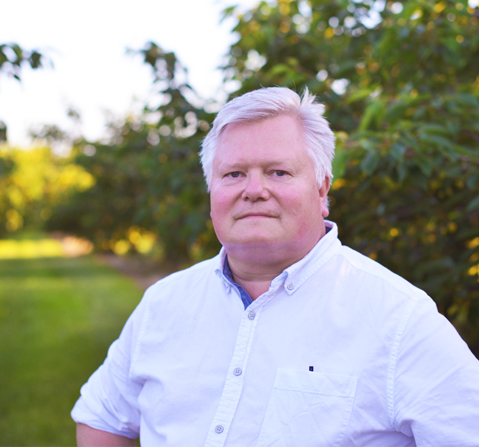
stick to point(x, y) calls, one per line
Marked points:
point(192, 278)
point(363, 276)
point(375, 276)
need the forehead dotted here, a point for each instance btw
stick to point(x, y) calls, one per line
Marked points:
point(282, 135)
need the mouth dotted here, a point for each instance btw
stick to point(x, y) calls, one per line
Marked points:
point(255, 215)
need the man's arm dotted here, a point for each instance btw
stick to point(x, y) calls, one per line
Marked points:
point(109, 399)
point(435, 396)
point(91, 437)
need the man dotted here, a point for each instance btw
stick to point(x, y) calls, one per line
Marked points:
point(286, 338)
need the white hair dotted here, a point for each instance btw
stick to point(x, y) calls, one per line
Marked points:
point(268, 103)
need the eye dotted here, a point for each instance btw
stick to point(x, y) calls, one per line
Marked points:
point(234, 174)
point(280, 173)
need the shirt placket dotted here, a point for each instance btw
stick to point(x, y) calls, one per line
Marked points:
point(221, 424)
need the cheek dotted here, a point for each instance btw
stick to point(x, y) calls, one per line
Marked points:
point(219, 204)
point(306, 212)
point(220, 212)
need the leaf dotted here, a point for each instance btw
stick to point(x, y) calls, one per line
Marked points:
point(228, 12)
point(424, 165)
point(434, 129)
point(402, 172)
point(408, 140)
point(398, 150)
point(472, 181)
point(372, 112)
point(438, 264)
point(339, 162)
point(462, 150)
point(360, 94)
point(473, 204)
point(395, 111)
point(440, 143)
point(466, 100)
point(279, 69)
point(370, 162)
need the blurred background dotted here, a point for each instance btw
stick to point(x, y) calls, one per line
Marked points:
point(103, 107)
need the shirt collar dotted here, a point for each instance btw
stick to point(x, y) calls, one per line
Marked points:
point(297, 273)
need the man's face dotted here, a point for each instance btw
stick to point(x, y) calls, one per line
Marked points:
point(264, 194)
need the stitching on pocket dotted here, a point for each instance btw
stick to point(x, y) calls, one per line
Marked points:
point(315, 382)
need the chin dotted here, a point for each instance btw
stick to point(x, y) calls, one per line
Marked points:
point(255, 243)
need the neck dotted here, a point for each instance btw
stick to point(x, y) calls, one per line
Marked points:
point(255, 269)
point(255, 279)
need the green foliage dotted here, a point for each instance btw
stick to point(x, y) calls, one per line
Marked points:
point(402, 92)
point(3, 133)
point(13, 58)
point(148, 175)
point(32, 184)
point(57, 319)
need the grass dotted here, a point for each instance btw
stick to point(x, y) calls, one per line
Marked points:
point(58, 317)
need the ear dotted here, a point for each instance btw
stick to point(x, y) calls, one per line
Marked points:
point(323, 194)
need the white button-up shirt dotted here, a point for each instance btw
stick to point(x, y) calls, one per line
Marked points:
point(338, 352)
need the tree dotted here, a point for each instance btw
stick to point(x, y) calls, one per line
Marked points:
point(33, 183)
point(148, 176)
point(12, 60)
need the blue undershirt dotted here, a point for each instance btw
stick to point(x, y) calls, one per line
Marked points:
point(243, 293)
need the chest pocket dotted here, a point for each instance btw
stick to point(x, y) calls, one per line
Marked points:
point(307, 409)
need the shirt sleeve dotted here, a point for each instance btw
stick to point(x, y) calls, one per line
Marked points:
point(109, 400)
point(435, 386)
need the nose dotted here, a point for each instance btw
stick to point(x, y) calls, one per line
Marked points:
point(256, 187)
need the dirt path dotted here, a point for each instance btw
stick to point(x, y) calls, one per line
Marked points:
point(144, 272)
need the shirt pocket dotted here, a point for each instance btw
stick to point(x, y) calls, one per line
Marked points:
point(307, 409)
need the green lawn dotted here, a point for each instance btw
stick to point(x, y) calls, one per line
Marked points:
point(58, 317)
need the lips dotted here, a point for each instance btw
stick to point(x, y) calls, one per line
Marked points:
point(247, 215)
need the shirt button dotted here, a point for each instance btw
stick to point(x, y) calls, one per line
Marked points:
point(219, 429)
point(290, 286)
point(237, 371)
point(251, 315)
